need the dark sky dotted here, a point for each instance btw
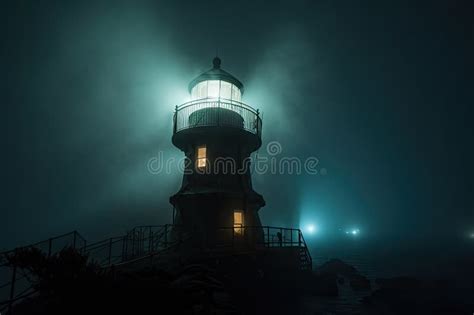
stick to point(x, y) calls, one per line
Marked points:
point(379, 91)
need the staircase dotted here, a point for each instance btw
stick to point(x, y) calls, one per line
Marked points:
point(15, 283)
point(139, 243)
point(305, 259)
point(142, 246)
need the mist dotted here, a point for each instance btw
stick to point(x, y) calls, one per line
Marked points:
point(91, 89)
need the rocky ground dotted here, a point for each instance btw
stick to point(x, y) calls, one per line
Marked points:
point(67, 284)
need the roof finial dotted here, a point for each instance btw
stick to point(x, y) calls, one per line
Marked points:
point(216, 62)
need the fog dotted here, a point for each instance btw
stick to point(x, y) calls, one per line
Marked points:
point(380, 98)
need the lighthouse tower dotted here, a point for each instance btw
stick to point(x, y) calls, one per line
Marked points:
point(217, 132)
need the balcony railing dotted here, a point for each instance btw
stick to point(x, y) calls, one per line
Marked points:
point(261, 237)
point(222, 112)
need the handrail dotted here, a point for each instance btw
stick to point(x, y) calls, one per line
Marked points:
point(216, 99)
point(137, 244)
point(309, 254)
point(247, 119)
point(5, 305)
point(153, 253)
point(73, 233)
point(288, 237)
point(50, 249)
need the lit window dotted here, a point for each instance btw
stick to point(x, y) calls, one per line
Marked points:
point(194, 93)
point(202, 92)
point(238, 222)
point(236, 94)
point(226, 90)
point(201, 156)
point(199, 91)
point(213, 88)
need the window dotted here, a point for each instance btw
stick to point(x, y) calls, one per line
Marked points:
point(236, 94)
point(238, 222)
point(215, 89)
point(202, 90)
point(201, 156)
point(194, 93)
point(199, 91)
point(226, 89)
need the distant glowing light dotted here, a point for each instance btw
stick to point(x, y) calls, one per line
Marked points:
point(311, 228)
point(353, 232)
point(471, 235)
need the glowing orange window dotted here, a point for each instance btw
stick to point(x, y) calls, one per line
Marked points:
point(201, 156)
point(238, 222)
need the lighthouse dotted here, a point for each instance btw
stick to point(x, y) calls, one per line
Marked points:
point(216, 224)
point(217, 133)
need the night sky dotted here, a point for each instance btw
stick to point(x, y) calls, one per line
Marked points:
point(379, 91)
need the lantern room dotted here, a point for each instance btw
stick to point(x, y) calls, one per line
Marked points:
point(216, 102)
point(216, 83)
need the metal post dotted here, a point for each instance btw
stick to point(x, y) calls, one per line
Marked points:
point(143, 241)
point(74, 243)
point(12, 290)
point(133, 243)
point(124, 247)
point(299, 238)
point(256, 122)
point(166, 235)
point(175, 119)
point(140, 242)
point(150, 240)
point(218, 111)
point(281, 238)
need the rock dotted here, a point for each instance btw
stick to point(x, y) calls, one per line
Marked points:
point(337, 267)
point(359, 283)
point(341, 280)
point(340, 270)
point(324, 285)
point(398, 283)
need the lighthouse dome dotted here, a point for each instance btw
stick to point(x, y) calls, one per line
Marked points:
point(216, 83)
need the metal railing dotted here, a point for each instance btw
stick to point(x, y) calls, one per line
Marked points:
point(261, 237)
point(18, 284)
point(147, 239)
point(140, 241)
point(187, 116)
point(143, 242)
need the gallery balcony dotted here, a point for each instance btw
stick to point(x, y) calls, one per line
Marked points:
point(214, 112)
